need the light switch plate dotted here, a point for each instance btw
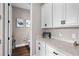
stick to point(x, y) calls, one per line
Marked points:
point(74, 36)
point(60, 34)
point(77, 35)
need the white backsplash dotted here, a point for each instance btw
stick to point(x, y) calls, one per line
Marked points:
point(65, 34)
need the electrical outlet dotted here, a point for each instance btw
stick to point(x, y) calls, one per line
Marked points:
point(74, 36)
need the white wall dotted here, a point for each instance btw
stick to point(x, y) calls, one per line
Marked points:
point(36, 25)
point(21, 35)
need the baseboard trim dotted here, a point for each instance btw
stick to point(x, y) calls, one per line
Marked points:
point(20, 45)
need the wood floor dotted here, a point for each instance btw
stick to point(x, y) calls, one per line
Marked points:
point(21, 51)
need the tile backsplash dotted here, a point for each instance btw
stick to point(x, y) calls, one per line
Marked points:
point(66, 34)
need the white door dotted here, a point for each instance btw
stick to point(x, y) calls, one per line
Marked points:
point(1, 29)
point(10, 29)
point(6, 29)
point(58, 14)
point(71, 14)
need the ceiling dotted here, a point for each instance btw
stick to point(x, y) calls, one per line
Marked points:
point(22, 5)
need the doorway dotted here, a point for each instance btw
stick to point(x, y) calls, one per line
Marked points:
point(21, 29)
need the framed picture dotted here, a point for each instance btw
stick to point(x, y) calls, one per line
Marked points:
point(28, 23)
point(20, 23)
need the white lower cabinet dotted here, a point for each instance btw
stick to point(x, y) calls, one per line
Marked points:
point(52, 52)
point(40, 48)
point(43, 49)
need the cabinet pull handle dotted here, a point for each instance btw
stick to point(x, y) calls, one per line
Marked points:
point(55, 53)
point(38, 48)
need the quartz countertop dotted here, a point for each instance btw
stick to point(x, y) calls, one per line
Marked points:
point(66, 48)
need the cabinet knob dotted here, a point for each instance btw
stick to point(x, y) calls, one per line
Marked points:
point(45, 24)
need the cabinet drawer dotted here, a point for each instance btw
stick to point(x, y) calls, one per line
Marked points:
point(52, 52)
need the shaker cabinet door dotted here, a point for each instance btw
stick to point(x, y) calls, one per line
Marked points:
point(58, 14)
point(46, 15)
point(71, 13)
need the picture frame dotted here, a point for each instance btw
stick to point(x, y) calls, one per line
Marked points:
point(20, 23)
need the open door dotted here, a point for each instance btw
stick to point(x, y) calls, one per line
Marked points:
point(8, 29)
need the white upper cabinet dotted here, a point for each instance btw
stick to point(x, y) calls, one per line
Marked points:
point(65, 15)
point(58, 14)
point(71, 14)
point(46, 15)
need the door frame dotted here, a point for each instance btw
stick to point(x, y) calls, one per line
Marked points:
point(8, 30)
point(31, 30)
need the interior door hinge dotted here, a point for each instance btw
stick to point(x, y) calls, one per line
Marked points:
point(8, 4)
point(8, 38)
point(8, 21)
